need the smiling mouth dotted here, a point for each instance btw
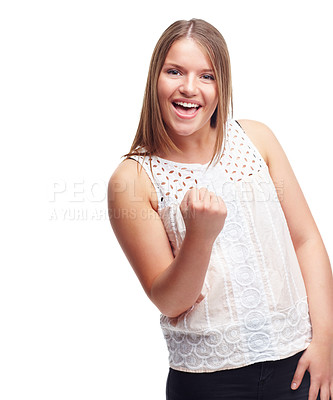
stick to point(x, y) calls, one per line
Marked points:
point(186, 108)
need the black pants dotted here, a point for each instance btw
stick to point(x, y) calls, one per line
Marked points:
point(269, 380)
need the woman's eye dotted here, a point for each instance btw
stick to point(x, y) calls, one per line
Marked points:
point(209, 77)
point(173, 72)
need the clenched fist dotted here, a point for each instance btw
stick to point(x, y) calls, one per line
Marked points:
point(204, 213)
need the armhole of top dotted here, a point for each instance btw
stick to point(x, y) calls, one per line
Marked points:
point(253, 145)
point(155, 186)
point(239, 124)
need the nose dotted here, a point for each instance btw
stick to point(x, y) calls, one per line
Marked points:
point(188, 86)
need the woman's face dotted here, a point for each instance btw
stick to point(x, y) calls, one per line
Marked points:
point(187, 90)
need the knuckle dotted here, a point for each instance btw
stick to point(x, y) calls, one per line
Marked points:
point(220, 200)
point(223, 209)
point(197, 206)
point(315, 379)
point(183, 207)
point(215, 208)
point(302, 363)
point(223, 212)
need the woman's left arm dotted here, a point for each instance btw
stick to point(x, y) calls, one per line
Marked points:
point(313, 259)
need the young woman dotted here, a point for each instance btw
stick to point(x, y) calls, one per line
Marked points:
point(217, 229)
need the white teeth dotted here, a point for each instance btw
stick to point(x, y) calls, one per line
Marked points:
point(189, 105)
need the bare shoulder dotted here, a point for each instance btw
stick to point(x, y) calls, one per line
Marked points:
point(131, 178)
point(260, 134)
point(300, 221)
point(128, 168)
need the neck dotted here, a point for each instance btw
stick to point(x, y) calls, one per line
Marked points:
point(196, 148)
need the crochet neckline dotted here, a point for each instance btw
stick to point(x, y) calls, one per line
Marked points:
point(195, 165)
point(181, 163)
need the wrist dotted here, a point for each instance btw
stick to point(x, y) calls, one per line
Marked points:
point(323, 336)
point(199, 241)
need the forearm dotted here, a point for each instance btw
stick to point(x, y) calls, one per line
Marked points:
point(317, 275)
point(179, 286)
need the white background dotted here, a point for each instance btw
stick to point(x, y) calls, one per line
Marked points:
point(75, 322)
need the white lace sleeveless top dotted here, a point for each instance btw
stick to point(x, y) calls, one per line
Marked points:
point(255, 305)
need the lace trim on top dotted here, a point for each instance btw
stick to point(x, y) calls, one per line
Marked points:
point(240, 160)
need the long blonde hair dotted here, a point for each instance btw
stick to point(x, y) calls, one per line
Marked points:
point(151, 135)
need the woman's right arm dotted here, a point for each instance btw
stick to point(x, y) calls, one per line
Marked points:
point(172, 283)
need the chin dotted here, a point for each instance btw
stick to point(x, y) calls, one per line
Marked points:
point(183, 131)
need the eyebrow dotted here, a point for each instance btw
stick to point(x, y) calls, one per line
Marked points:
point(171, 64)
